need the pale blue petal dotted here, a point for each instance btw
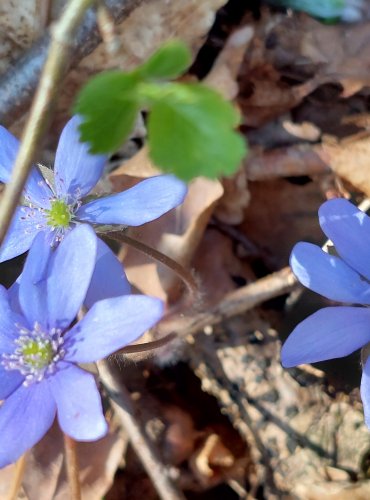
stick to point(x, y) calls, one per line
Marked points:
point(32, 283)
point(37, 191)
point(69, 277)
point(78, 401)
point(109, 325)
point(142, 203)
point(25, 225)
point(349, 229)
point(76, 170)
point(328, 275)
point(365, 391)
point(8, 322)
point(10, 380)
point(25, 417)
point(332, 332)
point(108, 279)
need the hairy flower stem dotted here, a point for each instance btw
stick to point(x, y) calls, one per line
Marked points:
point(181, 272)
point(51, 77)
point(17, 478)
point(72, 468)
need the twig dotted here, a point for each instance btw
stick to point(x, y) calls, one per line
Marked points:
point(123, 407)
point(241, 300)
point(181, 272)
point(17, 478)
point(36, 125)
point(18, 84)
point(72, 468)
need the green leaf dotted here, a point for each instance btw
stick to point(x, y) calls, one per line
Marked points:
point(190, 129)
point(109, 106)
point(168, 62)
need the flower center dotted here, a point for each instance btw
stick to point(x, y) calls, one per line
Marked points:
point(59, 215)
point(36, 354)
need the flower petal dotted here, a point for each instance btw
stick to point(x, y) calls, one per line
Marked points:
point(76, 170)
point(108, 279)
point(109, 325)
point(349, 230)
point(79, 408)
point(332, 332)
point(10, 380)
point(32, 283)
point(69, 275)
point(8, 153)
point(365, 391)
point(25, 416)
point(328, 275)
point(8, 320)
point(26, 223)
point(36, 190)
point(142, 203)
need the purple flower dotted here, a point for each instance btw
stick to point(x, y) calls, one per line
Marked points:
point(39, 349)
point(56, 210)
point(334, 332)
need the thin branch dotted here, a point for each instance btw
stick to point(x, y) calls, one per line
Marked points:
point(123, 407)
point(240, 301)
point(72, 468)
point(17, 478)
point(19, 82)
point(52, 74)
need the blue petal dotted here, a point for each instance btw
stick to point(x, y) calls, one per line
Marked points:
point(328, 275)
point(365, 391)
point(37, 191)
point(10, 380)
point(25, 417)
point(110, 325)
point(8, 152)
point(26, 223)
point(69, 275)
point(32, 283)
point(108, 279)
point(349, 230)
point(78, 401)
point(332, 332)
point(8, 321)
point(142, 203)
point(76, 170)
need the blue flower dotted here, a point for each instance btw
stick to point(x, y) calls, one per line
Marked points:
point(40, 350)
point(334, 332)
point(56, 210)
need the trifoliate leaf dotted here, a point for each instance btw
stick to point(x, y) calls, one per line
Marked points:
point(109, 106)
point(190, 130)
point(168, 62)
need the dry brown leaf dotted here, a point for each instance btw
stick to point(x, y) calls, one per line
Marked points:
point(45, 476)
point(350, 160)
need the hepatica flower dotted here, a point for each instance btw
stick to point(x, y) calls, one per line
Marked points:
point(40, 346)
point(334, 332)
point(56, 210)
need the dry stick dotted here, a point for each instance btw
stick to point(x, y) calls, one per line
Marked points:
point(36, 125)
point(72, 467)
point(17, 478)
point(19, 82)
point(241, 300)
point(123, 408)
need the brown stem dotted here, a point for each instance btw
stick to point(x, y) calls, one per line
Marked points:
point(72, 468)
point(181, 272)
point(17, 478)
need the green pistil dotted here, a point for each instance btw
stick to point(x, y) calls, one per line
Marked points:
point(59, 214)
point(37, 354)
